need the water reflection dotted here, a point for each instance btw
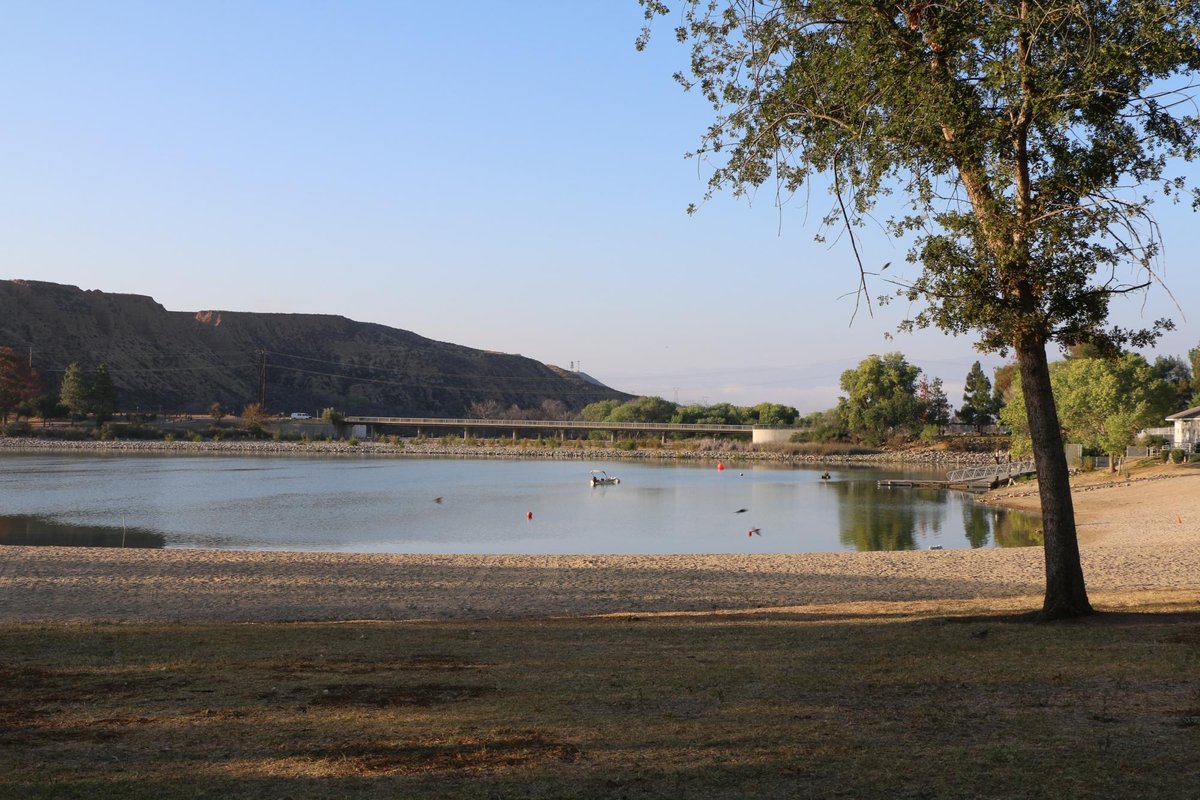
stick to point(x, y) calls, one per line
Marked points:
point(29, 530)
point(870, 518)
point(887, 519)
point(1013, 529)
point(977, 525)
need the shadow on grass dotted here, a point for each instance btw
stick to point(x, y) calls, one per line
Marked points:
point(712, 706)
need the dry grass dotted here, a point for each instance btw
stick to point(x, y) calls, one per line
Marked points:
point(885, 701)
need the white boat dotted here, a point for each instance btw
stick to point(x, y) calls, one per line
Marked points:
point(602, 478)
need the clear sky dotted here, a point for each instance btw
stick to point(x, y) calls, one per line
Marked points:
point(507, 176)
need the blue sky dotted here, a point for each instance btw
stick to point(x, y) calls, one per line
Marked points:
point(508, 177)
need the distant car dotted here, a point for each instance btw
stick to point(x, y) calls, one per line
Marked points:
point(301, 415)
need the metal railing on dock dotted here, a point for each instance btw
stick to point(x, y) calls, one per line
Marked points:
point(979, 477)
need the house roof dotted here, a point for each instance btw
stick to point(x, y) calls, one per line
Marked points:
point(1191, 413)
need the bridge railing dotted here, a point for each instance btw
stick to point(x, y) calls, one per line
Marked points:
point(993, 471)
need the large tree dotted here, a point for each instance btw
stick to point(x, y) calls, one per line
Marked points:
point(1178, 375)
point(1102, 403)
point(75, 392)
point(881, 397)
point(978, 406)
point(1023, 136)
point(18, 382)
point(103, 394)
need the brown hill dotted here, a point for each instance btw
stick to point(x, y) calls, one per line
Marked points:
point(185, 361)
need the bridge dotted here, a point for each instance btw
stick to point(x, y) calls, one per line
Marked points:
point(990, 473)
point(559, 427)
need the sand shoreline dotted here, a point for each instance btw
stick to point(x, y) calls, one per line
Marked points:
point(1136, 536)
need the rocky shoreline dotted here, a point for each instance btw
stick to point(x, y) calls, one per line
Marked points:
point(427, 448)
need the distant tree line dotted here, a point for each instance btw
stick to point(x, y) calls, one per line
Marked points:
point(80, 394)
point(1103, 400)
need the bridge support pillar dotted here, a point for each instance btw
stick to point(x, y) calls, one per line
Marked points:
point(514, 434)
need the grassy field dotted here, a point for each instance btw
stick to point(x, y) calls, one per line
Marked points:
point(891, 704)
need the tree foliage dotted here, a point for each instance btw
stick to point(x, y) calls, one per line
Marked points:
point(881, 397)
point(75, 391)
point(1022, 135)
point(936, 403)
point(18, 382)
point(659, 410)
point(102, 395)
point(1194, 360)
point(254, 417)
point(1102, 403)
point(1177, 374)
point(979, 403)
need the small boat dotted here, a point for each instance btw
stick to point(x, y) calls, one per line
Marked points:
point(602, 478)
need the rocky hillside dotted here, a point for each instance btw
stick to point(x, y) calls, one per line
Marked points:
point(186, 361)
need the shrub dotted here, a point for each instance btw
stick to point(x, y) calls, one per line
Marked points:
point(930, 433)
point(353, 441)
point(1176, 455)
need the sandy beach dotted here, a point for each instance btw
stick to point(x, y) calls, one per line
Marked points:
point(1140, 535)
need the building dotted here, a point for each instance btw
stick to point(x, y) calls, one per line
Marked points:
point(1186, 433)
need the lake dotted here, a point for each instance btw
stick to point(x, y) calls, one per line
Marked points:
point(369, 504)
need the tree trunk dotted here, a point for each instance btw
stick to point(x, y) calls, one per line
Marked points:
point(1066, 595)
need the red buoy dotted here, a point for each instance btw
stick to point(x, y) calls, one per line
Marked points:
point(720, 467)
point(528, 515)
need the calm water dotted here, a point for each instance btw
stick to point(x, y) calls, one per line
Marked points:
point(365, 504)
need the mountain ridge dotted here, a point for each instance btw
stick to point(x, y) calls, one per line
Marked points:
point(187, 360)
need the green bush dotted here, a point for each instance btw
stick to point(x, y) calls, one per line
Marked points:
point(353, 442)
point(1176, 455)
point(930, 433)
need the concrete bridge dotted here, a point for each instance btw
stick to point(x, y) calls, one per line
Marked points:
point(758, 434)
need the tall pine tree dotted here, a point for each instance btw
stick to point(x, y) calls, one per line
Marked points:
point(75, 392)
point(978, 406)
